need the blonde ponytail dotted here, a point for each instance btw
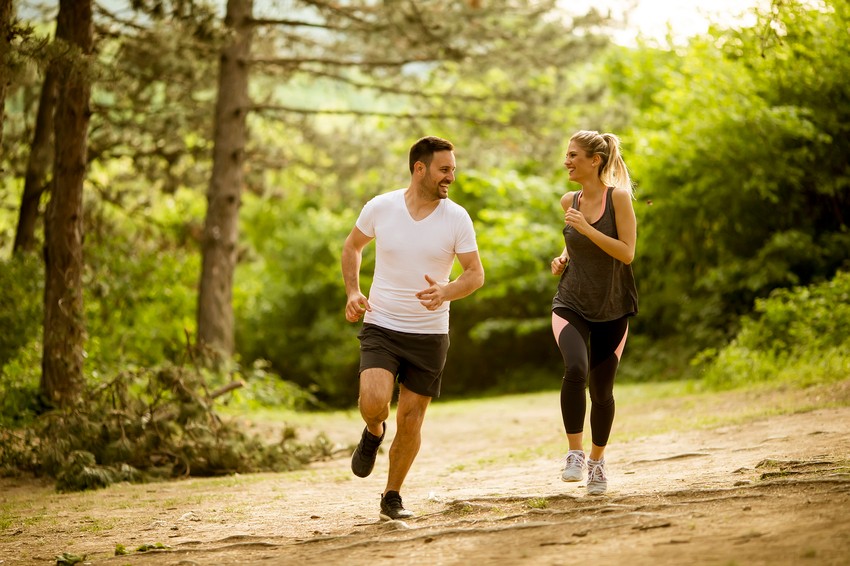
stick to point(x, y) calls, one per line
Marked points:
point(615, 173)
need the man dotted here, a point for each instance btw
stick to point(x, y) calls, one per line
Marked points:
point(418, 232)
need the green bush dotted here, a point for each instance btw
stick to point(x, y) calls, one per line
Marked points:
point(21, 304)
point(795, 336)
point(20, 398)
point(21, 318)
point(140, 300)
point(289, 297)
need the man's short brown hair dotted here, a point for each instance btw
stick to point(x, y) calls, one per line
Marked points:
point(425, 148)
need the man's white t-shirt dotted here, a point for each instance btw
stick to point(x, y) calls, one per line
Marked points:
point(405, 251)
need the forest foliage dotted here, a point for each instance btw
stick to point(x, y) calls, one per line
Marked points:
point(738, 141)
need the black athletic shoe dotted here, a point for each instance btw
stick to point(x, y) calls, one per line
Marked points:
point(392, 509)
point(363, 459)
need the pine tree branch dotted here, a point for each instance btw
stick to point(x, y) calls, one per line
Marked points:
point(298, 61)
point(295, 23)
point(117, 19)
point(335, 8)
point(392, 90)
point(274, 108)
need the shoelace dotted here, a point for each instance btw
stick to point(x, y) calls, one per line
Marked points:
point(596, 472)
point(370, 443)
point(574, 459)
point(393, 500)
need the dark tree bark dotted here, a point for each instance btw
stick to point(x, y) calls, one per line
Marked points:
point(64, 328)
point(5, 51)
point(224, 196)
point(38, 165)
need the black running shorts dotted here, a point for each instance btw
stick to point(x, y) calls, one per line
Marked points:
point(417, 360)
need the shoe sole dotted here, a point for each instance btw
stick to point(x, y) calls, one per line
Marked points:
point(388, 518)
point(571, 478)
point(597, 490)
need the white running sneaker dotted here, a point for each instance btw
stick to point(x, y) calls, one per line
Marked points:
point(597, 479)
point(573, 466)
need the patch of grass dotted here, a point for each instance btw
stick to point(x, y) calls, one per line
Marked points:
point(6, 517)
point(237, 510)
point(24, 514)
point(94, 525)
point(537, 503)
point(34, 520)
point(488, 460)
point(188, 500)
point(529, 453)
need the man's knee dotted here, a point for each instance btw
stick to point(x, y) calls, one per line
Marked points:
point(410, 412)
point(376, 390)
point(373, 410)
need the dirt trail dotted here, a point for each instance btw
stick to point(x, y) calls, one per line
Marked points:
point(486, 490)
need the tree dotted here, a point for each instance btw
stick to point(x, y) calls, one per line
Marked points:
point(224, 197)
point(5, 52)
point(64, 328)
point(38, 164)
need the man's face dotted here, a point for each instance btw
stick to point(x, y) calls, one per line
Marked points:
point(440, 174)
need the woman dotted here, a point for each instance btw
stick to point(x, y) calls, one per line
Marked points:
point(596, 295)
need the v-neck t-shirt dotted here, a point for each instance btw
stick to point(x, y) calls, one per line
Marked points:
point(405, 251)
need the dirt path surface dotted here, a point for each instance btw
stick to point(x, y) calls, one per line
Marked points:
point(769, 484)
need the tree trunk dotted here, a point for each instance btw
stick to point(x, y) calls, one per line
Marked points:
point(38, 164)
point(64, 329)
point(5, 51)
point(224, 197)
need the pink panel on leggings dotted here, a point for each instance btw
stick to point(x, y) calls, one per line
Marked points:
point(558, 325)
point(621, 347)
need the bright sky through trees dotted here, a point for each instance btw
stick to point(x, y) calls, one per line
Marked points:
point(645, 18)
point(650, 18)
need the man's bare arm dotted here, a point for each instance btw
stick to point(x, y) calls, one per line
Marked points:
point(352, 256)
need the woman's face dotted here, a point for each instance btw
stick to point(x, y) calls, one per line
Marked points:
point(580, 166)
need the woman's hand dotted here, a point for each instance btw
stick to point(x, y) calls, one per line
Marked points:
point(577, 220)
point(558, 265)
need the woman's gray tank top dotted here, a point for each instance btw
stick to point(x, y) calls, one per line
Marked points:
point(594, 284)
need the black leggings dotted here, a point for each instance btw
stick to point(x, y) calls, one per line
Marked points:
point(590, 350)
